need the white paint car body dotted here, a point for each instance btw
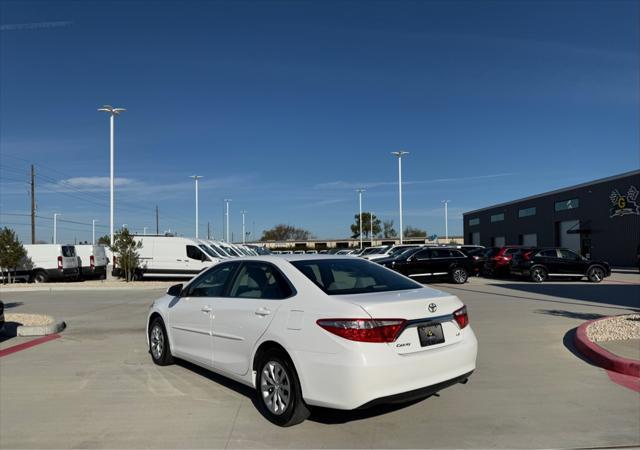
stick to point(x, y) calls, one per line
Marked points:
point(224, 334)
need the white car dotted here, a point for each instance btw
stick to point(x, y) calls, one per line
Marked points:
point(315, 330)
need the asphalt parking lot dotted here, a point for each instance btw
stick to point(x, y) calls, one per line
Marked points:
point(97, 387)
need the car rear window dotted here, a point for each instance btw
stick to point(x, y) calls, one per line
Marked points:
point(68, 251)
point(352, 276)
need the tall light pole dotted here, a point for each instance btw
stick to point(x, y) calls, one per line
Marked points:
point(244, 234)
point(55, 227)
point(400, 154)
point(226, 215)
point(93, 232)
point(371, 223)
point(446, 220)
point(113, 112)
point(360, 191)
point(196, 178)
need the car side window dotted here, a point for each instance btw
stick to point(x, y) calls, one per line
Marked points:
point(567, 254)
point(548, 254)
point(422, 255)
point(194, 252)
point(260, 280)
point(212, 282)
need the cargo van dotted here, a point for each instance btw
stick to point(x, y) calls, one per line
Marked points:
point(171, 257)
point(92, 261)
point(52, 262)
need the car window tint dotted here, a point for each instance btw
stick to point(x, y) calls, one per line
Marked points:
point(68, 251)
point(342, 276)
point(194, 252)
point(568, 254)
point(440, 253)
point(423, 254)
point(260, 280)
point(212, 282)
point(548, 254)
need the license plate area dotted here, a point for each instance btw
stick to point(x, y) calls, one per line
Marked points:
point(430, 334)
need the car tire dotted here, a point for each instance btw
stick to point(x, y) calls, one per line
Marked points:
point(459, 275)
point(595, 274)
point(539, 274)
point(159, 343)
point(278, 390)
point(40, 276)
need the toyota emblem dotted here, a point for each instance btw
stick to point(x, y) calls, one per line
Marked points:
point(432, 307)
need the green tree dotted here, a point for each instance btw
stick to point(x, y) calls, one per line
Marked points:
point(126, 250)
point(366, 225)
point(411, 232)
point(283, 232)
point(387, 229)
point(12, 254)
point(104, 240)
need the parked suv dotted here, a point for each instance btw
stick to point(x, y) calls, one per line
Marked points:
point(498, 259)
point(542, 263)
point(434, 262)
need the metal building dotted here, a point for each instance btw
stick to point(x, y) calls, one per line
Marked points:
point(599, 219)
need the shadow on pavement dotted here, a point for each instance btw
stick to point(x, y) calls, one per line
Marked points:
point(9, 331)
point(320, 415)
point(569, 314)
point(568, 341)
point(627, 296)
point(10, 305)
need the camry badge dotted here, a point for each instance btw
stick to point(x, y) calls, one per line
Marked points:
point(432, 307)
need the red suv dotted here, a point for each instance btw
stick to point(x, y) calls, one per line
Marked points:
point(498, 259)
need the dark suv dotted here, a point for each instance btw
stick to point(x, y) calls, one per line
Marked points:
point(542, 263)
point(432, 262)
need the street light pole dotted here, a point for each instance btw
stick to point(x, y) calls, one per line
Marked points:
point(227, 200)
point(446, 220)
point(93, 232)
point(113, 113)
point(400, 154)
point(196, 178)
point(371, 223)
point(360, 191)
point(55, 228)
point(244, 234)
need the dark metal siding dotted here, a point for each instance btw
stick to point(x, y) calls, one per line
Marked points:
point(613, 239)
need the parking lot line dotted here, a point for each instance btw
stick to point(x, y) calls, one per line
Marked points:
point(28, 344)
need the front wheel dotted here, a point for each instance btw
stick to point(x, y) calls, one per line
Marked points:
point(459, 275)
point(278, 388)
point(538, 274)
point(595, 274)
point(159, 343)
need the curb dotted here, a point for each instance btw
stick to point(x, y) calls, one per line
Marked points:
point(602, 357)
point(55, 327)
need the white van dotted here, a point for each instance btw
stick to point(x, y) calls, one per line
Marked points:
point(171, 257)
point(52, 262)
point(92, 261)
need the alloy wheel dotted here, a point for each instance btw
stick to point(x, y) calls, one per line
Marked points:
point(597, 274)
point(538, 274)
point(157, 342)
point(459, 276)
point(275, 387)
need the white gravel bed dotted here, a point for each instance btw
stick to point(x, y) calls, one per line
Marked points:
point(29, 320)
point(615, 328)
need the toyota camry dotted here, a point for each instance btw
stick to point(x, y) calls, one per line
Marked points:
point(315, 330)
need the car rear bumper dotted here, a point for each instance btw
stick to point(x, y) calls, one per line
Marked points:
point(367, 373)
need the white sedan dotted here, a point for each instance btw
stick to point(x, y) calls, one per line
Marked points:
point(304, 330)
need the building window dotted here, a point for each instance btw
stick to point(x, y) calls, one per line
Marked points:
point(497, 241)
point(567, 204)
point(526, 212)
point(497, 217)
point(475, 221)
point(474, 238)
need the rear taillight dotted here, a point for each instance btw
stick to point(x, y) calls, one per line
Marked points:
point(461, 317)
point(59, 262)
point(92, 262)
point(364, 330)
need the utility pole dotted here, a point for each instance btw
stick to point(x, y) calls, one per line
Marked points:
point(227, 200)
point(371, 223)
point(446, 220)
point(196, 178)
point(93, 232)
point(55, 228)
point(360, 191)
point(244, 233)
point(208, 231)
point(400, 154)
point(157, 221)
point(33, 204)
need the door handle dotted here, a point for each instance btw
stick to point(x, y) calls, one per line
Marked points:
point(263, 312)
point(206, 309)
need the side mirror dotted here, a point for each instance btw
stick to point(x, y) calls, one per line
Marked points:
point(175, 290)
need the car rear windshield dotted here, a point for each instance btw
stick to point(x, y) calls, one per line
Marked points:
point(352, 276)
point(68, 251)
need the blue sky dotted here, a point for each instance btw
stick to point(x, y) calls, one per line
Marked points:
point(287, 107)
